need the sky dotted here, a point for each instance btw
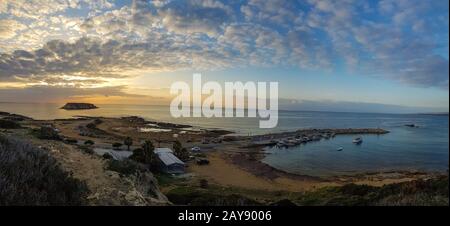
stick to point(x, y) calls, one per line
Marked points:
point(347, 55)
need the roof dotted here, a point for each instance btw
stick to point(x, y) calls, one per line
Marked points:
point(166, 156)
point(117, 155)
point(162, 150)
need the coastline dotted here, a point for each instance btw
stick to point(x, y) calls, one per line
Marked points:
point(234, 162)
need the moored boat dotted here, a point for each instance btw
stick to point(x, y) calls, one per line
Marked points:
point(357, 140)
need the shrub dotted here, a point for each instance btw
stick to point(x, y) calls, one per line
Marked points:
point(30, 176)
point(116, 145)
point(91, 125)
point(203, 183)
point(107, 156)
point(47, 133)
point(89, 142)
point(97, 121)
point(8, 124)
point(125, 167)
point(71, 141)
point(87, 150)
point(197, 197)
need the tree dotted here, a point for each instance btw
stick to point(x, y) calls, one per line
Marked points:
point(128, 142)
point(179, 151)
point(145, 154)
point(177, 146)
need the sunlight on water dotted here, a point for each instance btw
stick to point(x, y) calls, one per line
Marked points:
point(404, 148)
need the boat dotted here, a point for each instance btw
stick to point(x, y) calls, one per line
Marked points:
point(281, 144)
point(340, 149)
point(357, 140)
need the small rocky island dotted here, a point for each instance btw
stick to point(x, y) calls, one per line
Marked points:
point(78, 106)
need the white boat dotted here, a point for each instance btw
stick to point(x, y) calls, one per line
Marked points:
point(357, 140)
point(340, 149)
point(281, 144)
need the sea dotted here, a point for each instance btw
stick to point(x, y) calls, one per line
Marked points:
point(421, 148)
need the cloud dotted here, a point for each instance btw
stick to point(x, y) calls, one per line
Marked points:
point(9, 28)
point(347, 106)
point(398, 40)
point(46, 94)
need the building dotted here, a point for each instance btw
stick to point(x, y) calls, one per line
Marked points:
point(169, 163)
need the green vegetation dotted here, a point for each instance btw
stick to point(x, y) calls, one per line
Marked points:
point(89, 142)
point(128, 142)
point(71, 141)
point(8, 124)
point(46, 133)
point(29, 176)
point(116, 145)
point(86, 149)
point(91, 125)
point(180, 152)
point(145, 154)
point(415, 193)
point(186, 195)
point(125, 167)
point(107, 156)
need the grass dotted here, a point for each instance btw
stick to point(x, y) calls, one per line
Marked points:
point(30, 176)
point(125, 167)
point(430, 192)
point(8, 124)
point(188, 195)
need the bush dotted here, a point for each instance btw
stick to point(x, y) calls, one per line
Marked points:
point(107, 156)
point(126, 167)
point(91, 125)
point(71, 141)
point(89, 142)
point(197, 197)
point(97, 121)
point(203, 183)
point(8, 124)
point(86, 149)
point(420, 192)
point(29, 176)
point(47, 133)
point(116, 145)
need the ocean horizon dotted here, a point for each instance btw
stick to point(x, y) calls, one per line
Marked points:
point(424, 148)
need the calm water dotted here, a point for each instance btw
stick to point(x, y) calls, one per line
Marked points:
point(425, 148)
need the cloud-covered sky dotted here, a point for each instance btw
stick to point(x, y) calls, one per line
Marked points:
point(102, 47)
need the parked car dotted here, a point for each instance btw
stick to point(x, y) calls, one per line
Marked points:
point(195, 149)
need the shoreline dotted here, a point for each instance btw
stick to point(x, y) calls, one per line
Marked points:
point(238, 155)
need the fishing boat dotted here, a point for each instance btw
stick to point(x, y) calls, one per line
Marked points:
point(357, 140)
point(281, 144)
